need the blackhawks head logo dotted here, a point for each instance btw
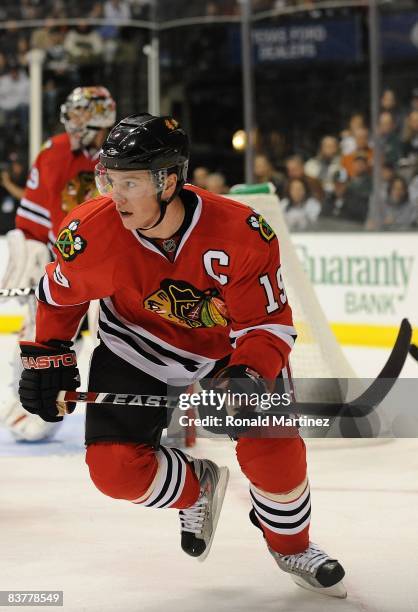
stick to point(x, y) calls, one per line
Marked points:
point(183, 304)
point(69, 243)
point(258, 223)
point(78, 189)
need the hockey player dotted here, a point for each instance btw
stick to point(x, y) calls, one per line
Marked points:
point(61, 177)
point(190, 287)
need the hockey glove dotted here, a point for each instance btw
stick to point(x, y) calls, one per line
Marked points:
point(48, 369)
point(240, 388)
point(246, 383)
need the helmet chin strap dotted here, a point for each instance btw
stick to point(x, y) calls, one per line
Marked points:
point(163, 209)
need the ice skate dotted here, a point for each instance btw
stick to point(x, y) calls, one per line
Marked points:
point(314, 570)
point(198, 523)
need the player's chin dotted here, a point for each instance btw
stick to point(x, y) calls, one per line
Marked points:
point(128, 220)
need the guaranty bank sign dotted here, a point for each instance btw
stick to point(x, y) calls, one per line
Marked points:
point(365, 276)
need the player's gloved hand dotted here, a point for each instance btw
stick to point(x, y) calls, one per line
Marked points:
point(48, 369)
point(234, 379)
point(243, 380)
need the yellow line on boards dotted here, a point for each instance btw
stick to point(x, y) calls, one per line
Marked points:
point(346, 333)
point(368, 335)
point(10, 323)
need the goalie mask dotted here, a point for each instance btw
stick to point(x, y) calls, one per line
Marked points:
point(156, 145)
point(86, 111)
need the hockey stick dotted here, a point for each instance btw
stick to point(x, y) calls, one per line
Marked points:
point(17, 292)
point(360, 407)
point(413, 351)
point(364, 404)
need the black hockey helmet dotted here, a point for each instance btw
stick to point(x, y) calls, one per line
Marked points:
point(146, 142)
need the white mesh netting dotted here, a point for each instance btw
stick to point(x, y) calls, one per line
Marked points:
point(317, 354)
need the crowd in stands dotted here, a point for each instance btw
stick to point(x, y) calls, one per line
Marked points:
point(335, 184)
point(74, 55)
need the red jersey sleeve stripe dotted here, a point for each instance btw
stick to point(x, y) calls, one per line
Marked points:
point(34, 207)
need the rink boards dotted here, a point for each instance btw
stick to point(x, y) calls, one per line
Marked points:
point(366, 284)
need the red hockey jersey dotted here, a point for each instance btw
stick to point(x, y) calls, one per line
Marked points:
point(222, 294)
point(59, 180)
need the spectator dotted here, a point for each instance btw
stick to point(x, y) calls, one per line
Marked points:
point(399, 211)
point(14, 97)
point(389, 104)
point(334, 205)
point(216, 183)
point(348, 142)
point(113, 11)
point(59, 74)
point(96, 10)
point(301, 210)
point(200, 177)
point(295, 169)
point(77, 10)
point(265, 172)
point(3, 64)
point(13, 179)
point(28, 10)
point(9, 37)
point(271, 143)
point(362, 148)
point(388, 174)
point(46, 37)
point(414, 100)
point(58, 71)
point(388, 136)
point(117, 10)
point(324, 166)
point(410, 136)
point(83, 44)
point(140, 9)
point(357, 192)
point(413, 190)
point(57, 61)
point(22, 52)
point(57, 9)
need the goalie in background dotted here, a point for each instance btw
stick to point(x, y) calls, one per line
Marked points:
point(61, 177)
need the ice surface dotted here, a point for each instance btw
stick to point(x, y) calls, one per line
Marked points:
point(59, 532)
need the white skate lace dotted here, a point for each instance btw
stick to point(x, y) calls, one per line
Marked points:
point(192, 518)
point(308, 561)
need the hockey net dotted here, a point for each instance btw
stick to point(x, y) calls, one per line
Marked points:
point(316, 355)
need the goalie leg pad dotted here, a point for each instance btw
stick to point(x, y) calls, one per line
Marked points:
point(23, 426)
point(142, 475)
point(27, 260)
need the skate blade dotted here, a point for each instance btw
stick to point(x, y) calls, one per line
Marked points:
point(337, 590)
point(217, 506)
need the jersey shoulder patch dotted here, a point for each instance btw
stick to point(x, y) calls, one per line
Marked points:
point(233, 219)
point(259, 224)
point(70, 242)
point(47, 144)
point(93, 229)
